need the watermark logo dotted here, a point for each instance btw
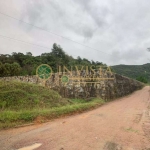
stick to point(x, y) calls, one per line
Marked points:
point(64, 79)
point(44, 71)
point(82, 74)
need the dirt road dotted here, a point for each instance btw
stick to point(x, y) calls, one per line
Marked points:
point(123, 124)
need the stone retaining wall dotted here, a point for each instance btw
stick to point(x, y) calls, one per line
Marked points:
point(106, 89)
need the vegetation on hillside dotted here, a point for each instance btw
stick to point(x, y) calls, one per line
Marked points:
point(22, 103)
point(142, 79)
point(26, 64)
point(18, 95)
point(139, 72)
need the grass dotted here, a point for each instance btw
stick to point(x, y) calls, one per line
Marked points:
point(131, 130)
point(23, 103)
point(133, 71)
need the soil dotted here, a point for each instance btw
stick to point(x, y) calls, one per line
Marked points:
point(123, 124)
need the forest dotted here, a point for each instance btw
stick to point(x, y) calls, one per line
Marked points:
point(19, 64)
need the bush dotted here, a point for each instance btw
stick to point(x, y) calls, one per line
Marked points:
point(142, 79)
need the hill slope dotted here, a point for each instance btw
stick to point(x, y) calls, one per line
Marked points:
point(22, 103)
point(19, 96)
point(133, 71)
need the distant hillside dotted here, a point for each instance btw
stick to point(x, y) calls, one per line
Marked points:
point(133, 71)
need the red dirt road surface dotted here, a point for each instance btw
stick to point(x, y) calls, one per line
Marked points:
point(123, 124)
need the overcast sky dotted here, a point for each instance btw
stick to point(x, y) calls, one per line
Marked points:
point(117, 30)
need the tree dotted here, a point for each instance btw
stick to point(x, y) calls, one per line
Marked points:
point(58, 56)
point(1, 69)
point(142, 79)
point(57, 51)
point(79, 59)
point(25, 64)
point(7, 69)
point(19, 58)
point(29, 53)
point(15, 69)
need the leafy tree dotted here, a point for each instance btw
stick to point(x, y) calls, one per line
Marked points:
point(29, 53)
point(15, 69)
point(79, 59)
point(142, 79)
point(26, 64)
point(1, 69)
point(7, 69)
point(10, 69)
point(19, 58)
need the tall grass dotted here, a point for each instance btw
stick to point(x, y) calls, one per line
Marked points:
point(22, 103)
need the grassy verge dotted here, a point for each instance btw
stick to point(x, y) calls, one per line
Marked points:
point(9, 118)
point(27, 105)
